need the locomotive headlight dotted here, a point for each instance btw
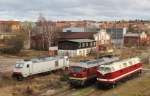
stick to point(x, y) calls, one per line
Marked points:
point(75, 75)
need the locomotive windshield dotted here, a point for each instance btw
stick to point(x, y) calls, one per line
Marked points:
point(76, 69)
point(104, 70)
point(19, 65)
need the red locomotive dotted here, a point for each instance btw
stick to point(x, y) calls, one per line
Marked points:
point(111, 74)
point(84, 72)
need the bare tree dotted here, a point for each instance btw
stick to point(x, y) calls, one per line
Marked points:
point(26, 30)
point(48, 31)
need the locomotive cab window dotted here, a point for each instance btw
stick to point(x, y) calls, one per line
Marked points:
point(19, 65)
point(105, 70)
point(77, 69)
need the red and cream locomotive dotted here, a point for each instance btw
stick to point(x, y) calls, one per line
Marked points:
point(111, 74)
point(84, 72)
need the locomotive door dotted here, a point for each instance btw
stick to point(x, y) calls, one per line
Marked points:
point(56, 64)
point(27, 70)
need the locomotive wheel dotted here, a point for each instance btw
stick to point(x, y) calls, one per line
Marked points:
point(140, 72)
point(99, 85)
point(113, 85)
point(19, 78)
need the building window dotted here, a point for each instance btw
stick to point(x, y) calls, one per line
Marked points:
point(69, 31)
point(87, 44)
point(83, 53)
point(91, 44)
point(80, 52)
point(80, 45)
point(94, 43)
point(83, 45)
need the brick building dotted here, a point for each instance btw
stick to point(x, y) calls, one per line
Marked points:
point(131, 39)
point(136, 40)
point(9, 26)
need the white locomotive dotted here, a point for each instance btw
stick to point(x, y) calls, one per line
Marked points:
point(35, 66)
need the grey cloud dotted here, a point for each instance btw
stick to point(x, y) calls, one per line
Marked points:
point(74, 9)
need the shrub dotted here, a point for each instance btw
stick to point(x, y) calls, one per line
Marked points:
point(64, 77)
point(15, 45)
point(28, 91)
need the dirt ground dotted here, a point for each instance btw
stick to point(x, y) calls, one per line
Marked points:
point(6, 64)
point(50, 85)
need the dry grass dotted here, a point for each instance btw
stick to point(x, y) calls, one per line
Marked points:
point(147, 66)
point(32, 53)
point(30, 87)
point(137, 87)
point(27, 54)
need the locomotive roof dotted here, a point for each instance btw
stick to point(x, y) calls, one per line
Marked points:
point(122, 64)
point(93, 63)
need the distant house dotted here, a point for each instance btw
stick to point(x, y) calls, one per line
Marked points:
point(135, 39)
point(8, 30)
point(103, 40)
point(9, 26)
point(5, 38)
point(131, 39)
point(76, 43)
point(76, 47)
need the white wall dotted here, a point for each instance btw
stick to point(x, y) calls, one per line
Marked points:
point(102, 37)
point(78, 52)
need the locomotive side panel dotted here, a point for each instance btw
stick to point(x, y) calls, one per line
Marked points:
point(42, 67)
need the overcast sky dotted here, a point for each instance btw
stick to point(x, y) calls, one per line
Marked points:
point(74, 9)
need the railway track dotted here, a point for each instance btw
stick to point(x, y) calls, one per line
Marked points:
point(67, 92)
point(91, 90)
point(88, 91)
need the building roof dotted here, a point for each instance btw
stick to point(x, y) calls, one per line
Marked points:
point(131, 35)
point(10, 22)
point(81, 40)
point(76, 35)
